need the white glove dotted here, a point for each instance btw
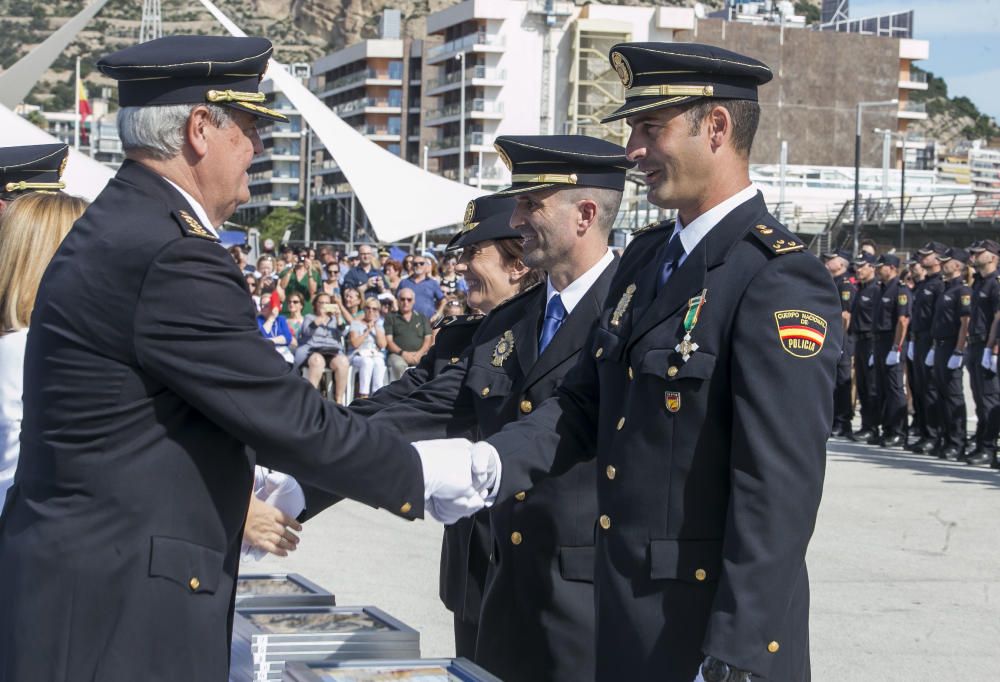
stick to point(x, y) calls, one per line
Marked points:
point(993, 364)
point(955, 361)
point(698, 677)
point(929, 360)
point(447, 467)
point(987, 362)
point(909, 351)
point(892, 358)
point(486, 470)
point(871, 359)
point(448, 511)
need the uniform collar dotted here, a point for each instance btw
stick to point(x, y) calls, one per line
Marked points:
point(579, 287)
point(199, 210)
point(692, 234)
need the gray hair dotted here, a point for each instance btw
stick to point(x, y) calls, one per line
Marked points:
point(159, 131)
point(608, 202)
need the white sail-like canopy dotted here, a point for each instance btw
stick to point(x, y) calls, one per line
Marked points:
point(401, 200)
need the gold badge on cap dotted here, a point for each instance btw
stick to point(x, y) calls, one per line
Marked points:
point(623, 303)
point(504, 347)
point(504, 157)
point(621, 65)
point(470, 213)
point(62, 165)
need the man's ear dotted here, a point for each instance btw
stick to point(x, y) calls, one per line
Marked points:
point(196, 130)
point(720, 126)
point(588, 214)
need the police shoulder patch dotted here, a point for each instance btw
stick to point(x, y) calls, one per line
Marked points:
point(191, 227)
point(800, 332)
point(966, 299)
point(845, 295)
point(902, 299)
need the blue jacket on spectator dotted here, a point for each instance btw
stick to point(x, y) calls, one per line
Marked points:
point(427, 294)
point(356, 277)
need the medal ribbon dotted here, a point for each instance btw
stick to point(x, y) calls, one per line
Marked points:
point(694, 308)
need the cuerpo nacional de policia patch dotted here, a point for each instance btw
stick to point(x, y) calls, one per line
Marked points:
point(801, 333)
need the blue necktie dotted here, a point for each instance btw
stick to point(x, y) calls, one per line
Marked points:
point(555, 313)
point(671, 259)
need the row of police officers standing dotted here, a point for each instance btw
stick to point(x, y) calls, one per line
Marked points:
point(922, 323)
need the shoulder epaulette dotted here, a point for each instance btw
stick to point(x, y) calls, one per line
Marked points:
point(654, 226)
point(777, 240)
point(517, 297)
point(191, 227)
point(458, 320)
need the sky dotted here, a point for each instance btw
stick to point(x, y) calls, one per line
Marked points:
point(964, 40)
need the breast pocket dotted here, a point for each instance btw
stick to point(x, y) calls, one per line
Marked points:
point(607, 347)
point(487, 384)
point(668, 364)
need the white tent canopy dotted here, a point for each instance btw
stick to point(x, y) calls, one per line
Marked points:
point(401, 200)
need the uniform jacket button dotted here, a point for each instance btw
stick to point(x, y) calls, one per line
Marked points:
point(485, 392)
point(700, 575)
point(519, 496)
point(773, 647)
point(405, 509)
point(454, 360)
point(611, 472)
point(516, 538)
point(194, 584)
point(605, 521)
point(631, 374)
point(599, 352)
point(621, 424)
point(672, 371)
point(526, 406)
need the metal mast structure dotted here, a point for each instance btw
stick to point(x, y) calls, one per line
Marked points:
point(152, 24)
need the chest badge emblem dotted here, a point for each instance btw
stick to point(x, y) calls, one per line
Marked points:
point(672, 399)
point(504, 347)
point(623, 304)
point(687, 346)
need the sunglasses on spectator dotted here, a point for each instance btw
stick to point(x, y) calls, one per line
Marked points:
point(295, 301)
point(376, 308)
point(401, 298)
point(420, 263)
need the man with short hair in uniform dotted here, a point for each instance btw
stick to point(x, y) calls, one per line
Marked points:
point(890, 319)
point(982, 374)
point(950, 329)
point(837, 264)
point(924, 388)
point(862, 332)
point(31, 168)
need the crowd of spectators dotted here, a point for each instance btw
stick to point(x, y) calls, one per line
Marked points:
point(329, 311)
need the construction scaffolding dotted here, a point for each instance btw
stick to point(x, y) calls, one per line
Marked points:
point(596, 90)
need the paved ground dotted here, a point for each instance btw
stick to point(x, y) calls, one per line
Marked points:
point(905, 567)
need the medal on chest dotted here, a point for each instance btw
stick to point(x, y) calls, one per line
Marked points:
point(687, 346)
point(623, 304)
point(504, 347)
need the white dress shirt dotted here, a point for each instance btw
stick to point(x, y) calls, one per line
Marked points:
point(579, 287)
point(11, 409)
point(703, 224)
point(199, 210)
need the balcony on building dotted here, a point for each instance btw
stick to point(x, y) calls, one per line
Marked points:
point(474, 108)
point(913, 111)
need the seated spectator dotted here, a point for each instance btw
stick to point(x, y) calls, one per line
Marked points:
point(408, 265)
point(392, 272)
point(331, 281)
point(352, 303)
point(407, 335)
point(321, 344)
point(430, 298)
point(303, 278)
point(451, 281)
point(265, 267)
point(274, 327)
point(367, 338)
point(388, 303)
point(366, 277)
point(295, 317)
point(251, 280)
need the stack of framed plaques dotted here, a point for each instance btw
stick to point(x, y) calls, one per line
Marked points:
point(272, 636)
point(280, 589)
point(421, 670)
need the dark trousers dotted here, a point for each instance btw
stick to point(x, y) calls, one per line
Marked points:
point(986, 394)
point(465, 639)
point(843, 401)
point(924, 389)
point(865, 378)
point(889, 391)
point(951, 400)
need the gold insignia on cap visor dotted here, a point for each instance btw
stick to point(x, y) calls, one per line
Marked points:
point(623, 68)
point(558, 178)
point(504, 157)
point(800, 332)
point(62, 165)
point(216, 96)
point(671, 91)
point(22, 185)
point(470, 213)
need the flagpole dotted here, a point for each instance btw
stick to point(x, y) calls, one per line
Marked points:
point(76, 106)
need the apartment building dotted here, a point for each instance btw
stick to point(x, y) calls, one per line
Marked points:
point(984, 170)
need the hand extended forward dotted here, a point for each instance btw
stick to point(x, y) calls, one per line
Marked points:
point(460, 477)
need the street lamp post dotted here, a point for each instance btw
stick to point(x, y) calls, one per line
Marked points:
point(461, 120)
point(857, 165)
point(902, 182)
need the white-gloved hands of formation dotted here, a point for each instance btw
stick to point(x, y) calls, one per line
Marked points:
point(460, 477)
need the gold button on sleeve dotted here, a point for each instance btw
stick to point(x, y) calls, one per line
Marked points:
point(773, 647)
point(631, 374)
point(700, 575)
point(405, 509)
point(515, 538)
point(621, 424)
point(526, 406)
point(454, 360)
point(605, 521)
point(599, 352)
point(194, 584)
point(672, 371)
point(611, 472)
point(485, 392)
point(519, 496)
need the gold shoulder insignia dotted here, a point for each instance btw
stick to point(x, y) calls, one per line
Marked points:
point(192, 227)
point(457, 320)
point(777, 241)
point(646, 229)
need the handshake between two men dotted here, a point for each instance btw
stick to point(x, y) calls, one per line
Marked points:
point(460, 477)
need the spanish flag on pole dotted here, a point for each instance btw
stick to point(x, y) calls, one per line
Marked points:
point(83, 109)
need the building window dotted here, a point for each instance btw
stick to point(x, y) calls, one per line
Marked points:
point(393, 148)
point(395, 125)
point(395, 98)
point(396, 70)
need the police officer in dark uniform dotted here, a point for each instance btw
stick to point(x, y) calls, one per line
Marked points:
point(983, 378)
point(950, 329)
point(924, 387)
point(31, 168)
point(147, 385)
point(714, 327)
point(537, 615)
point(890, 318)
point(862, 331)
point(837, 263)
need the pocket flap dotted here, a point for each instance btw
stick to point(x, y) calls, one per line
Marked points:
point(577, 563)
point(485, 383)
point(195, 567)
point(606, 346)
point(658, 361)
point(691, 561)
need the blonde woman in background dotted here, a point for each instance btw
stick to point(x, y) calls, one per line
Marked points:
point(31, 229)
